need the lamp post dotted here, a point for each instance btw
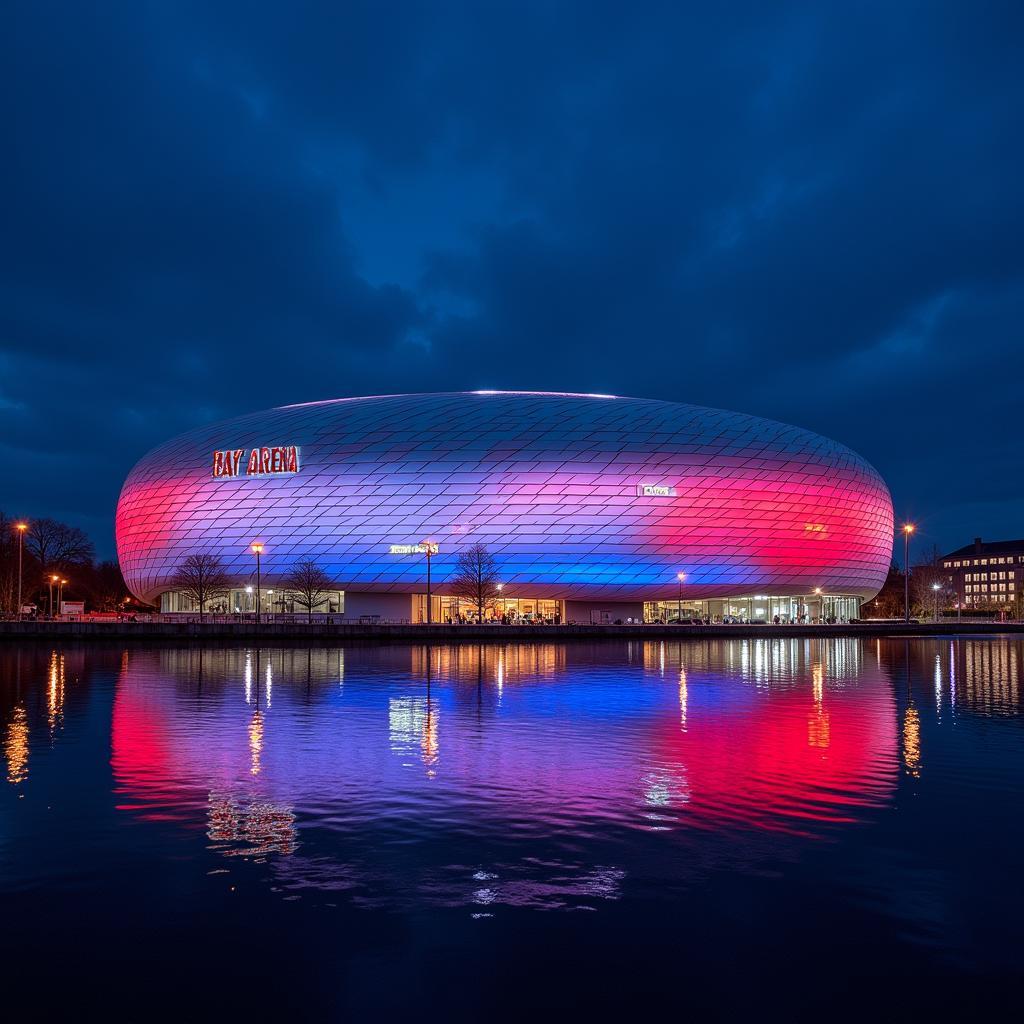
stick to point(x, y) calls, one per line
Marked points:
point(821, 604)
point(53, 579)
point(908, 529)
point(428, 550)
point(936, 587)
point(21, 528)
point(499, 587)
point(257, 550)
point(681, 576)
point(60, 596)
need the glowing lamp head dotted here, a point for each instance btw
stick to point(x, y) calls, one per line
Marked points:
point(680, 576)
point(54, 579)
point(21, 527)
point(257, 549)
point(248, 590)
point(500, 586)
point(936, 586)
point(908, 528)
point(817, 590)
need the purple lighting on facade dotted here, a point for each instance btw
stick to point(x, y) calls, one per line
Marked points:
point(574, 498)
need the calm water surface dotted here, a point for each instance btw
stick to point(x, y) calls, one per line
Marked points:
point(801, 828)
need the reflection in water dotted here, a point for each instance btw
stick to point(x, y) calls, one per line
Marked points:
point(912, 741)
point(818, 732)
point(252, 830)
point(256, 741)
point(513, 775)
point(684, 698)
point(55, 692)
point(991, 674)
point(540, 741)
point(16, 746)
point(412, 724)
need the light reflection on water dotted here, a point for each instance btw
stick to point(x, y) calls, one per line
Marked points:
point(532, 763)
point(531, 775)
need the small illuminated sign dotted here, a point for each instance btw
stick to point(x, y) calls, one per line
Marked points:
point(412, 549)
point(655, 491)
point(260, 461)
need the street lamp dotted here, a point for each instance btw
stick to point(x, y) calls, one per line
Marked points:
point(681, 576)
point(21, 528)
point(428, 550)
point(53, 579)
point(60, 596)
point(936, 587)
point(908, 529)
point(257, 550)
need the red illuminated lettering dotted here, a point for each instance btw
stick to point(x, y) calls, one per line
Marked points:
point(261, 461)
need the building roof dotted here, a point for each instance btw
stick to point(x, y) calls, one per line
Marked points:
point(989, 547)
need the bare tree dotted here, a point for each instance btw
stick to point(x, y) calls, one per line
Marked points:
point(8, 566)
point(201, 577)
point(476, 577)
point(310, 583)
point(931, 586)
point(56, 545)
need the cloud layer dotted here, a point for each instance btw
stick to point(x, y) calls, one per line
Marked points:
point(811, 213)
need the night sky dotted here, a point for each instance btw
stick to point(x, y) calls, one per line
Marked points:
point(810, 212)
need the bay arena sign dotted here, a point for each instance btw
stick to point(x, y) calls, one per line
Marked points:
point(261, 461)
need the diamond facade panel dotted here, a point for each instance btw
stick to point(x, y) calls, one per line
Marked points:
point(576, 496)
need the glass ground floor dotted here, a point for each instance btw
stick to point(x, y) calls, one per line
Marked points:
point(523, 609)
point(759, 608)
point(502, 609)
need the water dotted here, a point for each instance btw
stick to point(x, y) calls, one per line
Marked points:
point(796, 828)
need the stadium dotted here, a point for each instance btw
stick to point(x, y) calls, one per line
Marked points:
point(594, 508)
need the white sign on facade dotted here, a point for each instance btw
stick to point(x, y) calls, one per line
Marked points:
point(655, 491)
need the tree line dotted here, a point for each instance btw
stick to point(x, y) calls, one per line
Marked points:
point(929, 589)
point(52, 548)
point(202, 578)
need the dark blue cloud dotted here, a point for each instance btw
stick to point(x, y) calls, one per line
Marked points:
point(810, 212)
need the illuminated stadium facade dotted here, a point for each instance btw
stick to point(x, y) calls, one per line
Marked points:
point(591, 506)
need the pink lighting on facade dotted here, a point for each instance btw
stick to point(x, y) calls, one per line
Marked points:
point(575, 498)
